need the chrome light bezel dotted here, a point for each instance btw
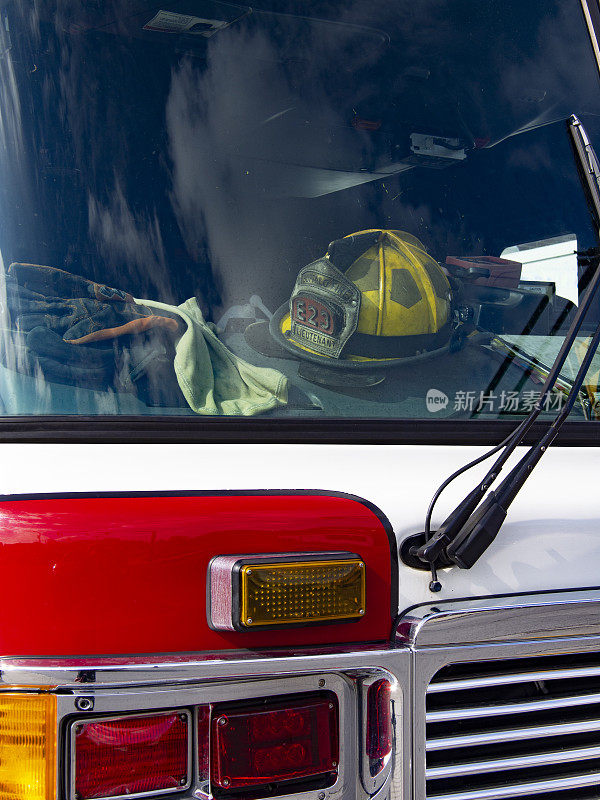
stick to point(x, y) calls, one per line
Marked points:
point(150, 700)
point(224, 600)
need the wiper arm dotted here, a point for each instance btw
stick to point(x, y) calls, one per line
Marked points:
point(467, 532)
point(433, 549)
point(481, 528)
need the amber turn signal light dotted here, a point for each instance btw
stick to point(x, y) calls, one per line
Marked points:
point(249, 592)
point(27, 746)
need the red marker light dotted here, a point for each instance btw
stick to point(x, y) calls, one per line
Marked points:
point(290, 740)
point(379, 724)
point(131, 755)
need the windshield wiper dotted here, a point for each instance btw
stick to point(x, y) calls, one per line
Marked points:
point(473, 525)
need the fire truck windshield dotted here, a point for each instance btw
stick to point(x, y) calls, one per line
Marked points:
point(325, 210)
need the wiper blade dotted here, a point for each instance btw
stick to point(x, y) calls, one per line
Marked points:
point(467, 532)
point(588, 167)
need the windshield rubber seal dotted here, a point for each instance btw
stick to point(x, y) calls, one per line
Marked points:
point(178, 430)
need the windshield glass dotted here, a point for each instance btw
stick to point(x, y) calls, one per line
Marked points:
point(364, 209)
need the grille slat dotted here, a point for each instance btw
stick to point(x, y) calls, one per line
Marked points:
point(523, 789)
point(571, 701)
point(515, 762)
point(482, 681)
point(513, 735)
point(527, 728)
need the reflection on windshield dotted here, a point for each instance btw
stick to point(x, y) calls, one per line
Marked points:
point(354, 209)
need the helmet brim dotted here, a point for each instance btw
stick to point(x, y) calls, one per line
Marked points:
point(279, 325)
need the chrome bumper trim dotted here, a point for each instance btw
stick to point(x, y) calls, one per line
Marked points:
point(72, 673)
point(428, 638)
point(499, 620)
point(142, 683)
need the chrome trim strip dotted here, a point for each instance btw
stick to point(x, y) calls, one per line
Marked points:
point(521, 789)
point(513, 735)
point(512, 708)
point(71, 673)
point(514, 762)
point(499, 620)
point(511, 678)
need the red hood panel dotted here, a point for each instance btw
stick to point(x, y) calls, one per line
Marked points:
point(114, 574)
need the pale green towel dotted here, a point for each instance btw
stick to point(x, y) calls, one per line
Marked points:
point(214, 380)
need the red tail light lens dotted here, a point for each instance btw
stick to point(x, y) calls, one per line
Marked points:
point(290, 740)
point(379, 724)
point(131, 755)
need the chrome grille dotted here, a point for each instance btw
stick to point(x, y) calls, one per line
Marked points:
point(525, 728)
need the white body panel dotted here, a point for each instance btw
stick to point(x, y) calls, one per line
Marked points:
point(551, 539)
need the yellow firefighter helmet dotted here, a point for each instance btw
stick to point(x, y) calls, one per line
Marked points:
point(377, 297)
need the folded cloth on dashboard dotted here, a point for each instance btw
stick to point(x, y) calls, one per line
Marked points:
point(212, 378)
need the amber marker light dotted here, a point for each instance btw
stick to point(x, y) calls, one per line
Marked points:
point(27, 746)
point(249, 592)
